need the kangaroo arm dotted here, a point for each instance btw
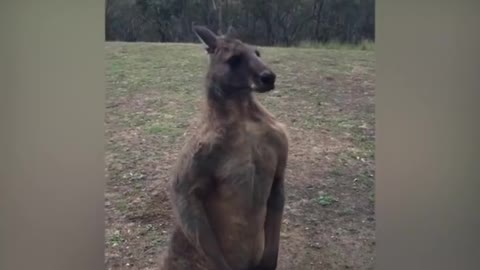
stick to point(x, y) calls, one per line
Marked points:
point(273, 222)
point(196, 227)
point(189, 189)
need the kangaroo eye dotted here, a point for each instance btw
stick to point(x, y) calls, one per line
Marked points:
point(257, 53)
point(235, 61)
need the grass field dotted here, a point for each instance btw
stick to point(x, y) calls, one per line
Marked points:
point(326, 98)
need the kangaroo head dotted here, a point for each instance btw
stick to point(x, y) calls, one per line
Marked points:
point(235, 67)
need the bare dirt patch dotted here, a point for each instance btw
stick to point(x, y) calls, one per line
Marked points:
point(324, 96)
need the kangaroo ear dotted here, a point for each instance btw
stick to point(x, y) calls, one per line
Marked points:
point(231, 32)
point(206, 36)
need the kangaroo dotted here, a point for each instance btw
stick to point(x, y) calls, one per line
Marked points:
point(227, 192)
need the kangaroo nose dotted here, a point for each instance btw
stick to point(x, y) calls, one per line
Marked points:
point(267, 77)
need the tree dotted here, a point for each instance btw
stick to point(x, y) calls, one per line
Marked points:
point(263, 22)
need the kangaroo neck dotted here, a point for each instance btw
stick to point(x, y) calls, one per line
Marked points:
point(232, 109)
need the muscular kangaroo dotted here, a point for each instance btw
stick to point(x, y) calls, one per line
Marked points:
point(227, 192)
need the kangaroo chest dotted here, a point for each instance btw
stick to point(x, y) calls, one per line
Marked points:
point(247, 169)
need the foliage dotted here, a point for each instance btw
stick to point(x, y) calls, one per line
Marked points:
point(263, 22)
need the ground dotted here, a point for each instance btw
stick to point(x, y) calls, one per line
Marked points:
point(324, 96)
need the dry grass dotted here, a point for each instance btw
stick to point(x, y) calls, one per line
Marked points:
point(324, 96)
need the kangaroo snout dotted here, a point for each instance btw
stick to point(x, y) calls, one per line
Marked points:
point(267, 77)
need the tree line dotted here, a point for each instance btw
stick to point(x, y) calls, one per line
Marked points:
point(262, 22)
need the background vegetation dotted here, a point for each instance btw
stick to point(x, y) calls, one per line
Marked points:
point(262, 22)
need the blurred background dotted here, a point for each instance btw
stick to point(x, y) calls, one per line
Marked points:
point(262, 22)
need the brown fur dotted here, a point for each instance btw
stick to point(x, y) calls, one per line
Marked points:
point(227, 191)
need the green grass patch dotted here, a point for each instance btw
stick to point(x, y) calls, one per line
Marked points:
point(325, 200)
point(122, 206)
point(115, 239)
point(169, 129)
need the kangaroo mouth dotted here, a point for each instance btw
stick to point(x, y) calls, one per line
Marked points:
point(260, 87)
point(265, 88)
